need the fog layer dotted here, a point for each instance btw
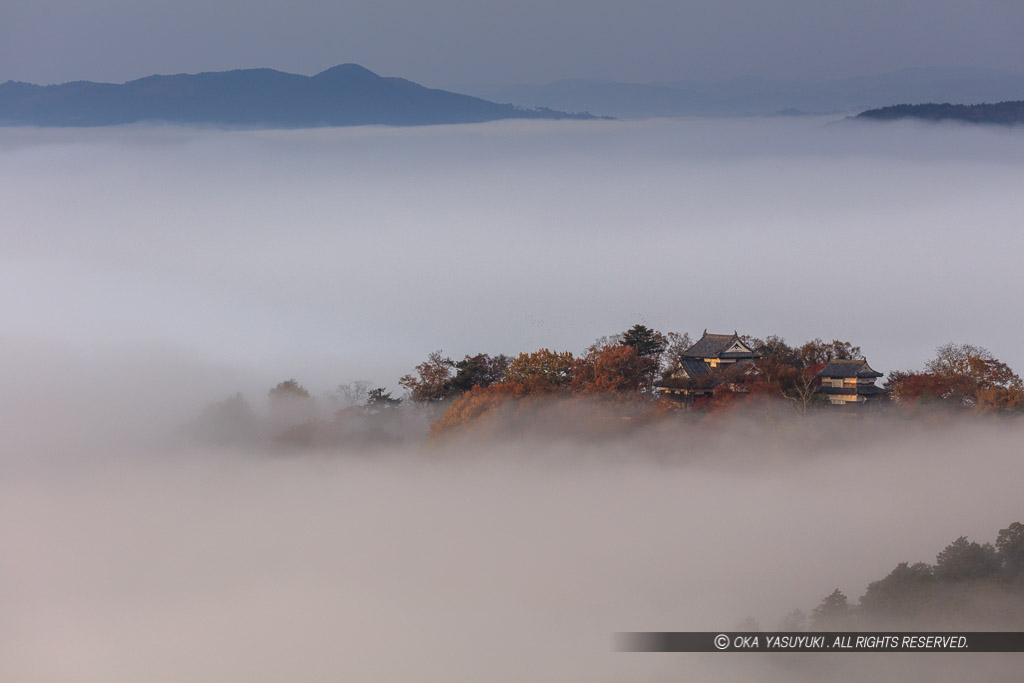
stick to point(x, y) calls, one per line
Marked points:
point(485, 563)
point(145, 272)
point(333, 255)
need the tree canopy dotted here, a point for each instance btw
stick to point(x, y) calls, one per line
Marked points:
point(432, 381)
point(542, 370)
point(961, 376)
point(644, 340)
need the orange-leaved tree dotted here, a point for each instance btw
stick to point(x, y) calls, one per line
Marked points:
point(614, 370)
point(542, 370)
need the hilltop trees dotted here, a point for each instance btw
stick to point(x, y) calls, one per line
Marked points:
point(288, 390)
point(801, 386)
point(620, 367)
point(379, 399)
point(677, 344)
point(777, 358)
point(1005, 400)
point(664, 347)
point(620, 370)
point(964, 560)
point(644, 340)
point(903, 593)
point(791, 372)
point(351, 394)
point(614, 370)
point(961, 376)
point(969, 580)
point(439, 378)
point(958, 359)
point(1010, 549)
point(483, 383)
point(818, 352)
point(433, 379)
point(964, 571)
point(833, 609)
point(480, 370)
point(290, 403)
point(926, 388)
point(542, 370)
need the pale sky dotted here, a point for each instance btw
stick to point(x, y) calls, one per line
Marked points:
point(451, 42)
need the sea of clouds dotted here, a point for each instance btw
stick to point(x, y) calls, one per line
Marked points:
point(147, 271)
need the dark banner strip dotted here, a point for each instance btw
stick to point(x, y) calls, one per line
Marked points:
point(821, 641)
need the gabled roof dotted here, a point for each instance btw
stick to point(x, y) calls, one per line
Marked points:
point(720, 346)
point(848, 368)
point(693, 368)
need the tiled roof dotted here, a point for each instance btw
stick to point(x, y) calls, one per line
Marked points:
point(848, 368)
point(715, 345)
point(693, 367)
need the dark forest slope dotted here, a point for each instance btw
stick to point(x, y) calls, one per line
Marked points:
point(1000, 112)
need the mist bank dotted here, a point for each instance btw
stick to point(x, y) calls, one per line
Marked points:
point(496, 556)
point(346, 254)
point(149, 271)
point(486, 559)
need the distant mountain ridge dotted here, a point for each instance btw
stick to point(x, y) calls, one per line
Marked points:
point(345, 95)
point(754, 96)
point(999, 112)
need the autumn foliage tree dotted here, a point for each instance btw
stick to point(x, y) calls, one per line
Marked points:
point(1007, 400)
point(475, 404)
point(777, 358)
point(929, 389)
point(818, 352)
point(614, 370)
point(542, 370)
point(791, 372)
point(432, 381)
point(440, 378)
point(625, 365)
point(610, 371)
point(961, 376)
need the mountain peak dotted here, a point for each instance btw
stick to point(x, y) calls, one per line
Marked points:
point(349, 71)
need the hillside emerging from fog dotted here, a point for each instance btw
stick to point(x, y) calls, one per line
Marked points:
point(1001, 112)
point(970, 583)
point(345, 95)
point(628, 382)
